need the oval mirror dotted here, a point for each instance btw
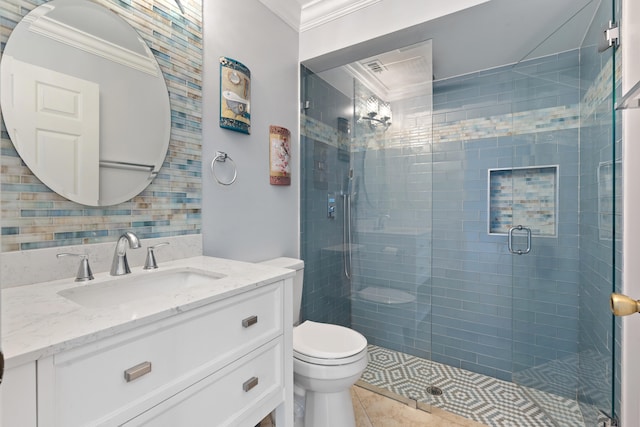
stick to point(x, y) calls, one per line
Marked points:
point(85, 102)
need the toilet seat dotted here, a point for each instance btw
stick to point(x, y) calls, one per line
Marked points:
point(327, 344)
point(330, 362)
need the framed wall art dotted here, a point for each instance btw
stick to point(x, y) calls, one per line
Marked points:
point(279, 156)
point(235, 96)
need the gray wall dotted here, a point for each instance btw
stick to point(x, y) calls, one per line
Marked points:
point(250, 220)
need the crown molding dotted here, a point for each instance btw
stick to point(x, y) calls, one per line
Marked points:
point(320, 12)
point(303, 16)
point(89, 43)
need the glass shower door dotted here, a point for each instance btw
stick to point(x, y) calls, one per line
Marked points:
point(390, 197)
point(601, 222)
point(564, 185)
point(391, 228)
point(366, 210)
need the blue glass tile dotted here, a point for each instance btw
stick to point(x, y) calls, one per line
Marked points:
point(7, 231)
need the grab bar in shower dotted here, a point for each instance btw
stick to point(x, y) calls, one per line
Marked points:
point(510, 240)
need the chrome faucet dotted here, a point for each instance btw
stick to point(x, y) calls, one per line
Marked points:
point(120, 266)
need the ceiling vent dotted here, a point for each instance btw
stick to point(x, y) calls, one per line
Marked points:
point(375, 66)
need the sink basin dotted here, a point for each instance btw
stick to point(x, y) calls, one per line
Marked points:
point(140, 286)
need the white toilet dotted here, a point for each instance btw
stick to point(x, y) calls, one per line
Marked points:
point(327, 361)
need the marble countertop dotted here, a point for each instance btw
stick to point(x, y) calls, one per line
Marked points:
point(38, 322)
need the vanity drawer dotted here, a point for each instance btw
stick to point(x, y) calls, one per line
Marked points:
point(225, 397)
point(90, 383)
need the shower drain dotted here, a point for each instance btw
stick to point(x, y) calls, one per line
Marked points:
point(434, 391)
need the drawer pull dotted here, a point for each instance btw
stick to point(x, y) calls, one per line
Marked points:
point(252, 320)
point(250, 383)
point(137, 371)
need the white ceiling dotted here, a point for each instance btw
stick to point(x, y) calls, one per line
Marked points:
point(495, 33)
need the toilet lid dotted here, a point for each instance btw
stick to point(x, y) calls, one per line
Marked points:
point(326, 341)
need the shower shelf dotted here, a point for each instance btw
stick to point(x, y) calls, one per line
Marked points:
point(631, 99)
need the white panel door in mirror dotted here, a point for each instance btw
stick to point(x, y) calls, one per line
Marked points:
point(58, 123)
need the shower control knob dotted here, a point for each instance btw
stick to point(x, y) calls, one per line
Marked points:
point(331, 206)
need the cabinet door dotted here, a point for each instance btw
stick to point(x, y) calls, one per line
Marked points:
point(240, 394)
point(18, 395)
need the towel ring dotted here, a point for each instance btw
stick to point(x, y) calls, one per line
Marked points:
point(222, 157)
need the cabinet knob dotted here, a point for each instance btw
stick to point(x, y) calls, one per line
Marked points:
point(137, 371)
point(250, 383)
point(251, 320)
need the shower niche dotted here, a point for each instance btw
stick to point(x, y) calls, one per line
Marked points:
point(526, 196)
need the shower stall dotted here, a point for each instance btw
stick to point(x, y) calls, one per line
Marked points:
point(470, 227)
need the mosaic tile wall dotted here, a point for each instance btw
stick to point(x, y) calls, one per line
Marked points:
point(35, 217)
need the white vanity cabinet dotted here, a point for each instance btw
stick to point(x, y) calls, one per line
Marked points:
point(18, 396)
point(228, 397)
point(221, 364)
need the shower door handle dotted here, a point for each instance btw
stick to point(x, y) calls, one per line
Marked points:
point(622, 305)
point(510, 240)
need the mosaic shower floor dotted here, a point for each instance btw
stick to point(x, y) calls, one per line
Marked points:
point(477, 397)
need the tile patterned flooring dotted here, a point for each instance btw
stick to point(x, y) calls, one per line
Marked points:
point(467, 394)
point(375, 410)
point(392, 393)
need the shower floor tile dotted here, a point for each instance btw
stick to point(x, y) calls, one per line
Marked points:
point(474, 396)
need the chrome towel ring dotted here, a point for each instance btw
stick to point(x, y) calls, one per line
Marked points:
point(222, 157)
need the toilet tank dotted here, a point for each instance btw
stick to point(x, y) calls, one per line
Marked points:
point(298, 266)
